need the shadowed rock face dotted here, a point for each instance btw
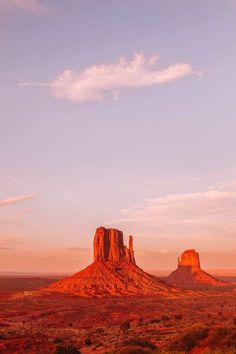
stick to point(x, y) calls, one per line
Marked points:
point(108, 245)
point(189, 273)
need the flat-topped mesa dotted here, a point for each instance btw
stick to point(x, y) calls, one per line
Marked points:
point(189, 258)
point(109, 246)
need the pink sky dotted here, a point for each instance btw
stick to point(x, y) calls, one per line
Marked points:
point(122, 115)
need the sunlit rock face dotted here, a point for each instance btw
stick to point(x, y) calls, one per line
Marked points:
point(189, 258)
point(189, 273)
point(108, 245)
point(113, 272)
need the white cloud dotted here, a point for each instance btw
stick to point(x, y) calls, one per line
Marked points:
point(95, 82)
point(200, 215)
point(33, 6)
point(14, 200)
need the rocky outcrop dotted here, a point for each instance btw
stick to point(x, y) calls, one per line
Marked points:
point(108, 245)
point(113, 272)
point(190, 275)
point(189, 258)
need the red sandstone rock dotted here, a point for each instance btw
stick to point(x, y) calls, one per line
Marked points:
point(113, 272)
point(189, 273)
point(109, 246)
point(189, 258)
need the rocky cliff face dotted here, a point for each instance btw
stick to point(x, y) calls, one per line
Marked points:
point(189, 258)
point(190, 275)
point(108, 245)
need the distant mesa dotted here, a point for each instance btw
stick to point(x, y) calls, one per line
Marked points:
point(189, 273)
point(113, 272)
point(189, 258)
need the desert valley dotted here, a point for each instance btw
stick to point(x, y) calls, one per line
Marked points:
point(113, 306)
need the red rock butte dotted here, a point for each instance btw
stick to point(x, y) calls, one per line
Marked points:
point(189, 258)
point(113, 272)
point(189, 273)
point(108, 245)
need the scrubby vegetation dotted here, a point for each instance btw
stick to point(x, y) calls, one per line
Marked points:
point(140, 342)
point(70, 349)
point(133, 350)
point(189, 339)
point(121, 325)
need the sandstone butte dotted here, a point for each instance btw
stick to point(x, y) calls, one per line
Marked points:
point(190, 275)
point(113, 272)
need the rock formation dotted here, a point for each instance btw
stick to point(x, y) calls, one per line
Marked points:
point(190, 275)
point(109, 246)
point(113, 272)
point(189, 258)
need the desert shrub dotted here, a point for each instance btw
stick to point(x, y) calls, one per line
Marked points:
point(165, 318)
point(140, 321)
point(178, 316)
point(139, 342)
point(221, 332)
point(222, 337)
point(88, 341)
point(189, 339)
point(125, 326)
point(57, 340)
point(234, 321)
point(168, 324)
point(155, 320)
point(100, 330)
point(69, 349)
point(133, 350)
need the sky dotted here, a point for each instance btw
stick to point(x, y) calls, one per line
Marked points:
point(118, 113)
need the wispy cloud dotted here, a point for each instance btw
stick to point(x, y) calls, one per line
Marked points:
point(33, 6)
point(98, 81)
point(15, 200)
point(204, 214)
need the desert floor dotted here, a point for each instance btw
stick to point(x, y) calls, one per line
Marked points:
point(58, 323)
